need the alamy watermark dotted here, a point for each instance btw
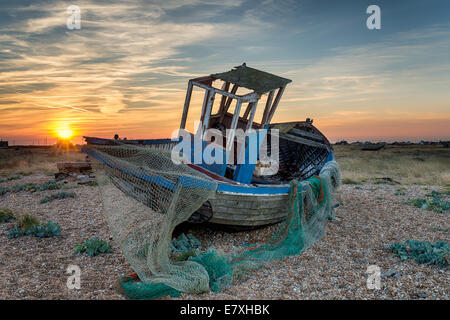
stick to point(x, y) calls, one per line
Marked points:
point(374, 20)
point(74, 19)
point(374, 278)
point(74, 280)
point(228, 146)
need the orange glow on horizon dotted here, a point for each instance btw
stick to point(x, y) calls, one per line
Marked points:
point(64, 132)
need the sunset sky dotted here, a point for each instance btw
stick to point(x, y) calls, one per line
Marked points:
point(126, 70)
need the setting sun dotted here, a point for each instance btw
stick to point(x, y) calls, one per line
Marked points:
point(64, 132)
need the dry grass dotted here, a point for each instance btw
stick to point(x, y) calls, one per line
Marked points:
point(371, 218)
point(24, 161)
point(405, 164)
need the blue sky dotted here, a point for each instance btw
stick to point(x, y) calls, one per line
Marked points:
point(126, 69)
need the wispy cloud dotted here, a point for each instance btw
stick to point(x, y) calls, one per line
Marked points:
point(128, 65)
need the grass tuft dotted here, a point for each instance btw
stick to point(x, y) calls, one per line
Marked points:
point(6, 215)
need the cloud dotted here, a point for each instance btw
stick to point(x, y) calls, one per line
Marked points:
point(134, 57)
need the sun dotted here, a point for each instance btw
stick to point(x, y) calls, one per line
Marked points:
point(64, 132)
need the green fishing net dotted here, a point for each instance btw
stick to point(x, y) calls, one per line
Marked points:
point(145, 196)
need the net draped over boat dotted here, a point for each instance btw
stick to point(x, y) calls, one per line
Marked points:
point(145, 196)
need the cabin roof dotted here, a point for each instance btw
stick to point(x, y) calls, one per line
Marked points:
point(257, 80)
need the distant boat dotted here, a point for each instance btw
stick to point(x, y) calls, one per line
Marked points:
point(372, 146)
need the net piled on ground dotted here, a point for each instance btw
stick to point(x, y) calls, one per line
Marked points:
point(145, 196)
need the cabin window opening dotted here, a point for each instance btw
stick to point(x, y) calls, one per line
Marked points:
point(195, 108)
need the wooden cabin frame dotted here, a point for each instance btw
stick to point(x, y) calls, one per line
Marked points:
point(241, 76)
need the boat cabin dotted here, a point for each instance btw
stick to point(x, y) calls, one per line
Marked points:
point(257, 83)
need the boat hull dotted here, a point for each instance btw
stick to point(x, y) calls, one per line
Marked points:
point(257, 204)
point(248, 210)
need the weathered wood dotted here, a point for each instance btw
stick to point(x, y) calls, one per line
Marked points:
point(246, 223)
point(228, 102)
point(186, 105)
point(243, 214)
point(225, 88)
point(205, 102)
point(267, 107)
point(275, 104)
point(208, 111)
point(230, 138)
point(245, 197)
point(253, 205)
point(252, 116)
point(307, 142)
point(247, 110)
point(306, 134)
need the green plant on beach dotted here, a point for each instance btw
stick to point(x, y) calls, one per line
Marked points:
point(34, 187)
point(92, 247)
point(423, 251)
point(59, 195)
point(6, 215)
point(434, 201)
point(4, 190)
point(400, 192)
point(29, 225)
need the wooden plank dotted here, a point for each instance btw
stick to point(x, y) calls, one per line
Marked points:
point(252, 115)
point(208, 111)
point(250, 205)
point(247, 110)
point(205, 102)
point(243, 220)
point(187, 102)
point(306, 134)
point(307, 142)
point(250, 212)
point(228, 103)
point(245, 223)
point(267, 107)
point(225, 87)
point(230, 138)
point(235, 216)
point(209, 88)
point(275, 104)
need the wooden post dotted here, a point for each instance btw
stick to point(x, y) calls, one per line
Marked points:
point(252, 115)
point(275, 104)
point(208, 110)
point(234, 122)
point(187, 101)
point(267, 107)
point(205, 103)
point(228, 103)
point(225, 87)
point(247, 110)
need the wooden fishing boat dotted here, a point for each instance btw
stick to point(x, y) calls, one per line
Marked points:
point(247, 195)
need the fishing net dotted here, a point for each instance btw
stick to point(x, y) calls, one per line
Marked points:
point(145, 196)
